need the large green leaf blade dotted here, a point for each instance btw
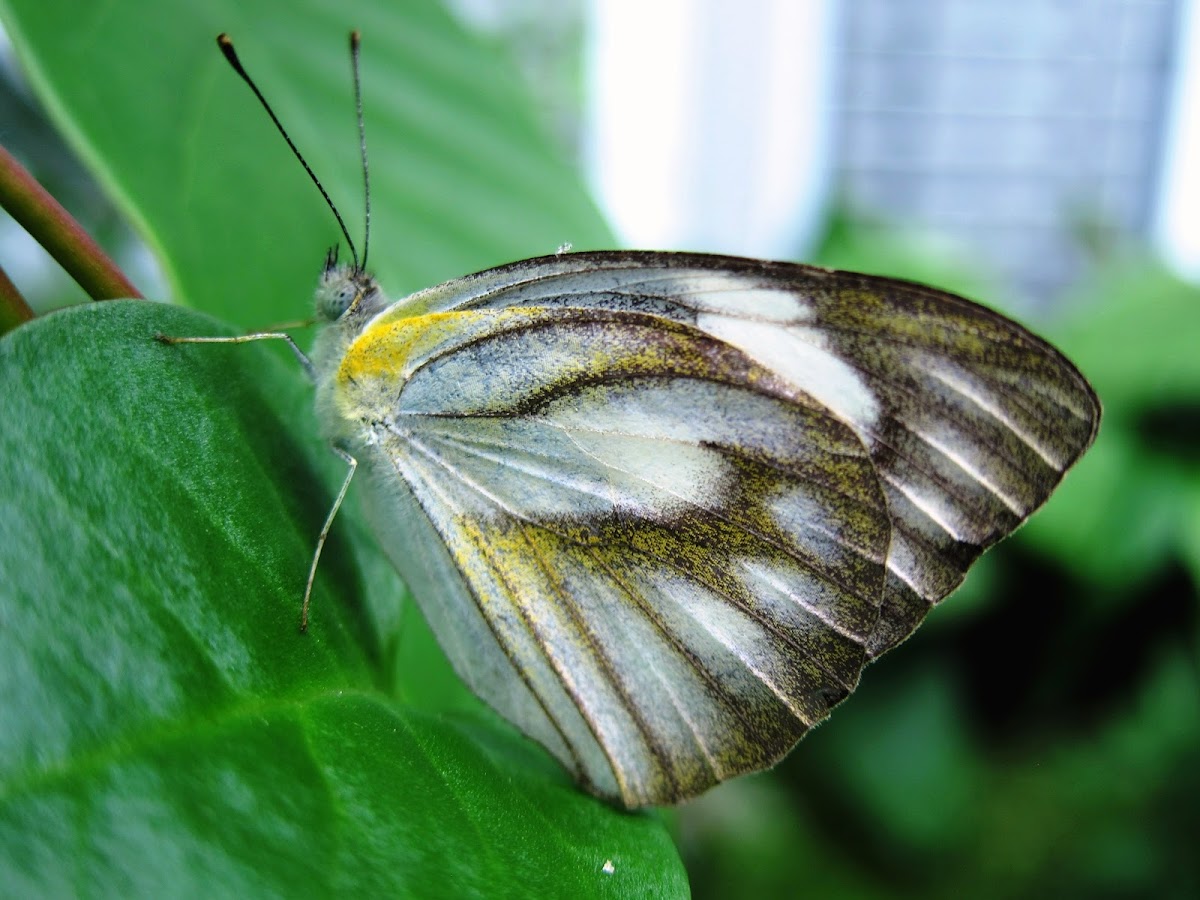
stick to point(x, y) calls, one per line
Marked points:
point(165, 727)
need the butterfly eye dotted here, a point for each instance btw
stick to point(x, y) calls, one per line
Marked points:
point(341, 301)
point(335, 295)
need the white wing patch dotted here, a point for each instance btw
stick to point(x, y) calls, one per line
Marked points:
point(816, 598)
point(938, 511)
point(804, 357)
point(983, 399)
point(741, 636)
point(721, 293)
point(970, 468)
point(692, 476)
point(535, 468)
point(799, 509)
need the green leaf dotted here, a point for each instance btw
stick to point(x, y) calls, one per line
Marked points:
point(166, 729)
point(462, 175)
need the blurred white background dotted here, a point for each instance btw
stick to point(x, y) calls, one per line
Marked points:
point(1024, 133)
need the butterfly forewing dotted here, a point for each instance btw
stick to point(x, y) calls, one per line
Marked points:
point(676, 554)
point(970, 420)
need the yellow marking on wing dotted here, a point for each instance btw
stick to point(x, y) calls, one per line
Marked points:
point(381, 360)
point(385, 347)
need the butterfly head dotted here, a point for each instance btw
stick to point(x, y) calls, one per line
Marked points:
point(346, 291)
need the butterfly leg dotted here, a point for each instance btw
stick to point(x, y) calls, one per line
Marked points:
point(305, 362)
point(333, 511)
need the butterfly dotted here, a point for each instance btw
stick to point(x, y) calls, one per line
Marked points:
point(661, 509)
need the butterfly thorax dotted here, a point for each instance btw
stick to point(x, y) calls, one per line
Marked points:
point(369, 348)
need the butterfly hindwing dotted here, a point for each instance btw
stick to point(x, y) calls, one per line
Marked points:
point(669, 560)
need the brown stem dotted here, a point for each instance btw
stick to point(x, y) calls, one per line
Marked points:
point(13, 308)
point(56, 230)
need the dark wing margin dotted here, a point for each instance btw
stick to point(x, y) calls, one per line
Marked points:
point(981, 421)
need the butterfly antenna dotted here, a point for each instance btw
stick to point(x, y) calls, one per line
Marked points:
point(226, 45)
point(355, 41)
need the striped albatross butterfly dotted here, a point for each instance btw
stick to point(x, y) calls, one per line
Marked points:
point(661, 509)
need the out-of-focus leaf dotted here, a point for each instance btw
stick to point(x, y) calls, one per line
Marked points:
point(1123, 511)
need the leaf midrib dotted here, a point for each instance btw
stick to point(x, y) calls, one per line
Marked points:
point(130, 746)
